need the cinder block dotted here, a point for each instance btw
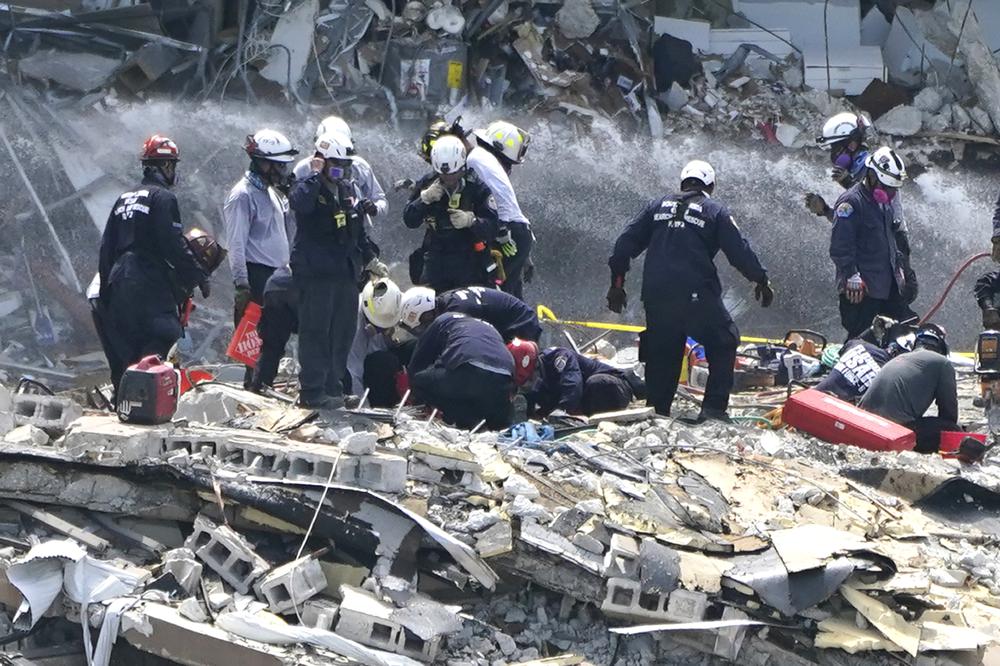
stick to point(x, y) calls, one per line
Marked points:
point(49, 412)
point(181, 563)
point(258, 457)
point(310, 462)
point(625, 599)
point(192, 443)
point(360, 443)
point(226, 553)
point(320, 613)
point(366, 620)
point(291, 584)
point(687, 606)
point(622, 557)
point(383, 472)
point(105, 439)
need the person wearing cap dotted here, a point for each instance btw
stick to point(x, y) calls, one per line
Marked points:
point(681, 234)
point(461, 366)
point(257, 220)
point(871, 276)
point(147, 266)
point(909, 384)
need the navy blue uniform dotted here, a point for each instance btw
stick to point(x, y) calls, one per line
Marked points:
point(454, 258)
point(330, 251)
point(681, 291)
point(279, 318)
point(462, 367)
point(996, 218)
point(147, 272)
point(564, 379)
point(864, 241)
point(856, 369)
point(508, 314)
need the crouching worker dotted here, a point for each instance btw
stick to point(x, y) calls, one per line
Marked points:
point(279, 318)
point(508, 314)
point(461, 367)
point(909, 384)
point(567, 382)
point(377, 358)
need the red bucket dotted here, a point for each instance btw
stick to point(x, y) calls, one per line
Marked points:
point(950, 441)
point(246, 343)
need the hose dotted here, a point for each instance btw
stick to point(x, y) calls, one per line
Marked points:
point(947, 290)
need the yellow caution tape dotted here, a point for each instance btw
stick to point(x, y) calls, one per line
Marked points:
point(546, 314)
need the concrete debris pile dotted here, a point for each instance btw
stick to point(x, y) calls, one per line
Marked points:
point(925, 67)
point(277, 536)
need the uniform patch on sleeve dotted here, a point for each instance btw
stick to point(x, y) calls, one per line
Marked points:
point(845, 210)
point(560, 363)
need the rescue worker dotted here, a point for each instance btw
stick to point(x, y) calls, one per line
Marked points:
point(870, 274)
point(506, 313)
point(987, 289)
point(681, 292)
point(371, 363)
point(497, 149)
point(373, 199)
point(459, 218)
point(279, 318)
point(859, 364)
point(909, 384)
point(567, 382)
point(844, 134)
point(147, 268)
point(995, 253)
point(257, 220)
point(330, 251)
point(461, 367)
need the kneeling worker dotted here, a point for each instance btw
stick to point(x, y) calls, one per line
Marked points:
point(374, 360)
point(909, 384)
point(462, 367)
point(507, 313)
point(680, 287)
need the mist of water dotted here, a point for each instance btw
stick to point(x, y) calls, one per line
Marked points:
point(581, 189)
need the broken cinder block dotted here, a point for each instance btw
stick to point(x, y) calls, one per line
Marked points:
point(291, 584)
point(48, 412)
point(320, 613)
point(226, 553)
point(367, 620)
point(382, 472)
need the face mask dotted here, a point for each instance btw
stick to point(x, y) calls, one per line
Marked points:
point(883, 196)
point(843, 160)
point(338, 173)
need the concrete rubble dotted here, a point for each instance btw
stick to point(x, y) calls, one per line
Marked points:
point(620, 542)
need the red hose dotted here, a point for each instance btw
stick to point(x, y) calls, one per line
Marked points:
point(944, 295)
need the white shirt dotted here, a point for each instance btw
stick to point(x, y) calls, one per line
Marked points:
point(491, 173)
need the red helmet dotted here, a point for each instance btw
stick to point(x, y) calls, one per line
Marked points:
point(205, 249)
point(158, 147)
point(525, 353)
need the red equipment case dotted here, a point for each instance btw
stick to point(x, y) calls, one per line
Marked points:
point(830, 419)
point(147, 394)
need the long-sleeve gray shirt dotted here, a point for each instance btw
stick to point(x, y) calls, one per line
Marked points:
point(258, 227)
point(909, 384)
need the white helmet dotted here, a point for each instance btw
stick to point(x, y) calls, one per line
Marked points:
point(507, 139)
point(416, 301)
point(381, 301)
point(337, 125)
point(448, 154)
point(333, 146)
point(270, 145)
point(699, 170)
point(843, 127)
point(888, 167)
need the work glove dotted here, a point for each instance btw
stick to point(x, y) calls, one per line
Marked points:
point(206, 288)
point(403, 184)
point(529, 272)
point(617, 298)
point(242, 300)
point(507, 245)
point(461, 219)
point(377, 268)
point(432, 193)
point(368, 207)
point(764, 293)
point(991, 319)
point(841, 175)
point(854, 289)
point(996, 250)
point(911, 288)
point(817, 205)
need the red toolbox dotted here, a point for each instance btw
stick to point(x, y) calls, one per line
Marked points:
point(830, 419)
point(147, 394)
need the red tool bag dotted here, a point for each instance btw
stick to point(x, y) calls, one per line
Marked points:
point(147, 394)
point(830, 419)
point(246, 343)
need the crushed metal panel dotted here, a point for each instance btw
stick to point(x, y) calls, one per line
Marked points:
point(789, 593)
point(82, 72)
point(294, 32)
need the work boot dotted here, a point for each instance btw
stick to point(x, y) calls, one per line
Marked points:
point(323, 402)
point(708, 414)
